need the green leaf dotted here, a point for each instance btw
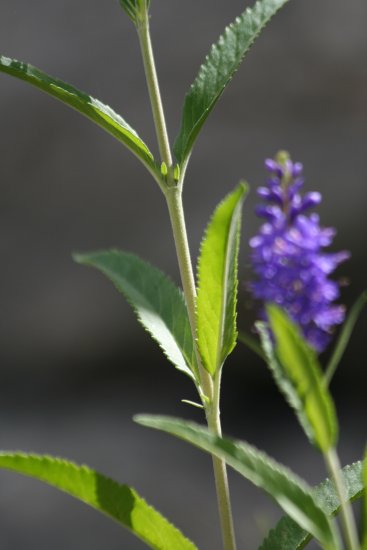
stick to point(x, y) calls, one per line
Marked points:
point(300, 365)
point(291, 493)
point(287, 535)
point(217, 278)
point(345, 335)
point(283, 381)
point(119, 502)
point(218, 69)
point(157, 302)
point(92, 108)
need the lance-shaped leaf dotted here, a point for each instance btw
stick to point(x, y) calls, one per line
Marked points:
point(92, 108)
point(120, 502)
point(218, 69)
point(287, 535)
point(157, 302)
point(282, 380)
point(217, 278)
point(292, 494)
point(300, 365)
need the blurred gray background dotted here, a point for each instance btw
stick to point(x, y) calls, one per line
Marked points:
point(75, 366)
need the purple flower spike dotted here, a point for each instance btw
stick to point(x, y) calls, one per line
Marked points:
point(288, 258)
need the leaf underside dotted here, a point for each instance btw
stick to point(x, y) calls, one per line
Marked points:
point(301, 368)
point(88, 106)
point(218, 69)
point(119, 502)
point(217, 280)
point(287, 535)
point(291, 493)
point(157, 302)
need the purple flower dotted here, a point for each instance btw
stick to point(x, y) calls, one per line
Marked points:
point(287, 254)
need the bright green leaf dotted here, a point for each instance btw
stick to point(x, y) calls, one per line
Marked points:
point(157, 302)
point(345, 335)
point(291, 493)
point(300, 365)
point(218, 69)
point(92, 108)
point(119, 502)
point(287, 535)
point(217, 279)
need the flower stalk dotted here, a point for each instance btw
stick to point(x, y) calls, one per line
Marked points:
point(347, 518)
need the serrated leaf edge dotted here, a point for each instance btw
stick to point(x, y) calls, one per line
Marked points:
point(216, 47)
point(83, 468)
point(316, 373)
point(90, 107)
point(307, 537)
point(220, 353)
point(191, 371)
point(155, 422)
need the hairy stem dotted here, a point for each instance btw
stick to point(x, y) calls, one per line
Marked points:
point(153, 88)
point(347, 518)
point(176, 212)
point(220, 472)
point(209, 392)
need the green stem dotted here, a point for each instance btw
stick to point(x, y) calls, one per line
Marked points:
point(220, 471)
point(209, 393)
point(347, 518)
point(153, 88)
point(176, 212)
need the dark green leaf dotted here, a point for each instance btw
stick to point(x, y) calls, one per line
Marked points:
point(345, 335)
point(218, 69)
point(92, 108)
point(217, 277)
point(158, 303)
point(300, 365)
point(119, 502)
point(290, 492)
point(287, 535)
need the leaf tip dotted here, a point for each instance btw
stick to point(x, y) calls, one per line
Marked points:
point(79, 257)
point(145, 420)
